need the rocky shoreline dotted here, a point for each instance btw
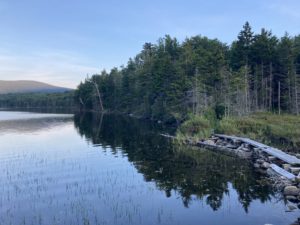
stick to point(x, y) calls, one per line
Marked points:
point(282, 169)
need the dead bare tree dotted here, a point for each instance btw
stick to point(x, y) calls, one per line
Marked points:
point(98, 94)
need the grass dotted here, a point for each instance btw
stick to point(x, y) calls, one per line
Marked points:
point(196, 127)
point(277, 130)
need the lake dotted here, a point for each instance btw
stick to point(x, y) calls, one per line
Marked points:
point(112, 169)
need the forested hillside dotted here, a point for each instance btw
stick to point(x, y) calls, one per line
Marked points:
point(169, 79)
point(28, 86)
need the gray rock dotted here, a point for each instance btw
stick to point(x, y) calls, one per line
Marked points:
point(298, 156)
point(265, 165)
point(291, 207)
point(291, 190)
point(295, 170)
point(230, 146)
point(243, 154)
point(286, 166)
point(260, 161)
point(291, 198)
point(244, 149)
point(256, 165)
point(209, 142)
point(272, 158)
point(246, 145)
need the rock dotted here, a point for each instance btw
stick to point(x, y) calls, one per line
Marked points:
point(291, 190)
point(272, 158)
point(209, 142)
point(246, 145)
point(291, 207)
point(298, 156)
point(265, 165)
point(256, 150)
point(244, 149)
point(256, 165)
point(295, 170)
point(260, 161)
point(237, 142)
point(291, 198)
point(297, 179)
point(243, 154)
point(230, 146)
point(286, 166)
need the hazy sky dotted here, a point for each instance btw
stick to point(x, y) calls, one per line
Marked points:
point(60, 41)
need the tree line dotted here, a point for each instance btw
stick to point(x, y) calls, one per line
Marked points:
point(38, 100)
point(168, 80)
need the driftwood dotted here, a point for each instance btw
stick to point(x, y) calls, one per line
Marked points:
point(265, 148)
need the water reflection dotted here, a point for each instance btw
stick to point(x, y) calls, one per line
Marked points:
point(194, 174)
point(25, 122)
point(119, 171)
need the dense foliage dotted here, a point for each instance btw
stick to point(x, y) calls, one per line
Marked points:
point(168, 80)
point(37, 100)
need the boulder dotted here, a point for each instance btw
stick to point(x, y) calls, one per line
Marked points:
point(291, 190)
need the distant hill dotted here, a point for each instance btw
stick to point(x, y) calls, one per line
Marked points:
point(28, 86)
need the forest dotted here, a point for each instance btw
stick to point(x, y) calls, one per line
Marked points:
point(169, 80)
point(38, 100)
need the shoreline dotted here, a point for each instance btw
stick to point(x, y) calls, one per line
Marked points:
point(282, 169)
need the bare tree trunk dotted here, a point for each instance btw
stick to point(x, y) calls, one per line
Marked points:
point(290, 93)
point(262, 85)
point(279, 98)
point(99, 96)
point(81, 102)
point(266, 94)
point(256, 88)
point(246, 87)
point(271, 86)
point(296, 95)
point(197, 94)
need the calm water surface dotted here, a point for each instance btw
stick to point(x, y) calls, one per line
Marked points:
point(92, 169)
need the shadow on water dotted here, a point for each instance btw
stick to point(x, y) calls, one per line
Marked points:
point(194, 174)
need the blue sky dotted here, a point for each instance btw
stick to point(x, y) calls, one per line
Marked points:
point(61, 41)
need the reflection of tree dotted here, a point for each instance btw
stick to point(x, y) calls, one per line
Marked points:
point(203, 175)
point(32, 125)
